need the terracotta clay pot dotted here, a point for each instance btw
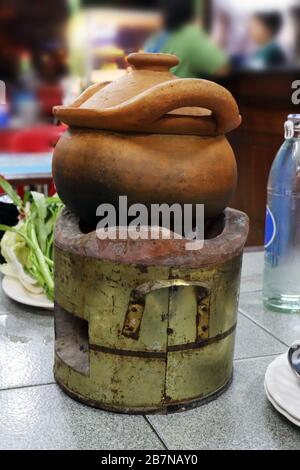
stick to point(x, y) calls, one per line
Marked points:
point(150, 136)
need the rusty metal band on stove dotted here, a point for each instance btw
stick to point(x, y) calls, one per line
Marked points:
point(163, 355)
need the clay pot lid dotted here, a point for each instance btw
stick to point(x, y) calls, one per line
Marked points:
point(150, 99)
point(157, 61)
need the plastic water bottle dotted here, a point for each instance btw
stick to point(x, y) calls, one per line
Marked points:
point(281, 289)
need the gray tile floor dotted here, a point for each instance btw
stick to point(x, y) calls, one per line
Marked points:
point(35, 414)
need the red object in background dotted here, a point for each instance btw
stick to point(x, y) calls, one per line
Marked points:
point(51, 189)
point(6, 137)
point(36, 139)
point(49, 96)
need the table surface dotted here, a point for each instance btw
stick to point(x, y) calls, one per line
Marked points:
point(25, 165)
point(36, 414)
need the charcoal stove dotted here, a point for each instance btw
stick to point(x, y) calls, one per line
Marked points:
point(144, 326)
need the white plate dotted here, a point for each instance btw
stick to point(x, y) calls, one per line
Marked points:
point(14, 289)
point(280, 410)
point(283, 388)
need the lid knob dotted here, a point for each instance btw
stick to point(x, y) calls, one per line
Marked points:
point(149, 61)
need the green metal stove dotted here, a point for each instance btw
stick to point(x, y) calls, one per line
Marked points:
point(144, 326)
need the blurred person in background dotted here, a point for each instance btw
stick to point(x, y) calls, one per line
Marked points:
point(183, 36)
point(295, 15)
point(264, 30)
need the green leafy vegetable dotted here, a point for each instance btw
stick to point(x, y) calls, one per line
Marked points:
point(11, 193)
point(28, 247)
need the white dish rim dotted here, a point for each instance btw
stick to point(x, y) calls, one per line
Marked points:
point(278, 407)
point(24, 300)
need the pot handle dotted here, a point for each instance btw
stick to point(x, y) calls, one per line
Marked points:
point(154, 104)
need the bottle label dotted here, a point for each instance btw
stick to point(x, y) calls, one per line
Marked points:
point(271, 228)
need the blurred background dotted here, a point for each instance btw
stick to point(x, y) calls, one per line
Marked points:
point(51, 51)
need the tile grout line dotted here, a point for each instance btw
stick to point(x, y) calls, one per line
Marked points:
point(156, 433)
point(26, 386)
point(262, 327)
point(254, 291)
point(42, 313)
point(257, 357)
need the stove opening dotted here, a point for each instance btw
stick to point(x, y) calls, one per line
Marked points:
point(71, 340)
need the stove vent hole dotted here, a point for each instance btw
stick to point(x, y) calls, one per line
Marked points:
point(71, 340)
